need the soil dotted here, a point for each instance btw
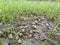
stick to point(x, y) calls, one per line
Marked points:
point(29, 30)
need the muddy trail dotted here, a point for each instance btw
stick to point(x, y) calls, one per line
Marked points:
point(30, 30)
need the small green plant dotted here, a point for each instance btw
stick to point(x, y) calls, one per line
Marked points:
point(11, 28)
point(0, 42)
point(53, 29)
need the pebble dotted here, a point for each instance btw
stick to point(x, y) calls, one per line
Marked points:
point(36, 21)
point(21, 26)
point(10, 36)
point(47, 24)
point(20, 34)
point(34, 26)
point(17, 37)
point(39, 19)
point(0, 23)
point(33, 23)
point(1, 32)
point(19, 41)
point(26, 26)
point(31, 31)
point(23, 30)
point(49, 28)
point(36, 31)
point(30, 35)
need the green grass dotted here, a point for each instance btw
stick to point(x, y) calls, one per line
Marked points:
point(53, 31)
point(0, 42)
point(8, 10)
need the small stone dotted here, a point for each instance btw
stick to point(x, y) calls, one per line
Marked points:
point(31, 31)
point(33, 23)
point(1, 32)
point(26, 26)
point(30, 35)
point(47, 24)
point(21, 26)
point(36, 31)
point(0, 23)
point(23, 30)
point(39, 19)
point(20, 34)
point(10, 36)
point(34, 26)
point(36, 21)
point(19, 41)
point(17, 37)
point(49, 28)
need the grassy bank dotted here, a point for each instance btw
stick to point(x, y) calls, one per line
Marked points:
point(9, 9)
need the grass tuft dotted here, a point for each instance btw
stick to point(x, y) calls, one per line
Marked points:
point(9, 9)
